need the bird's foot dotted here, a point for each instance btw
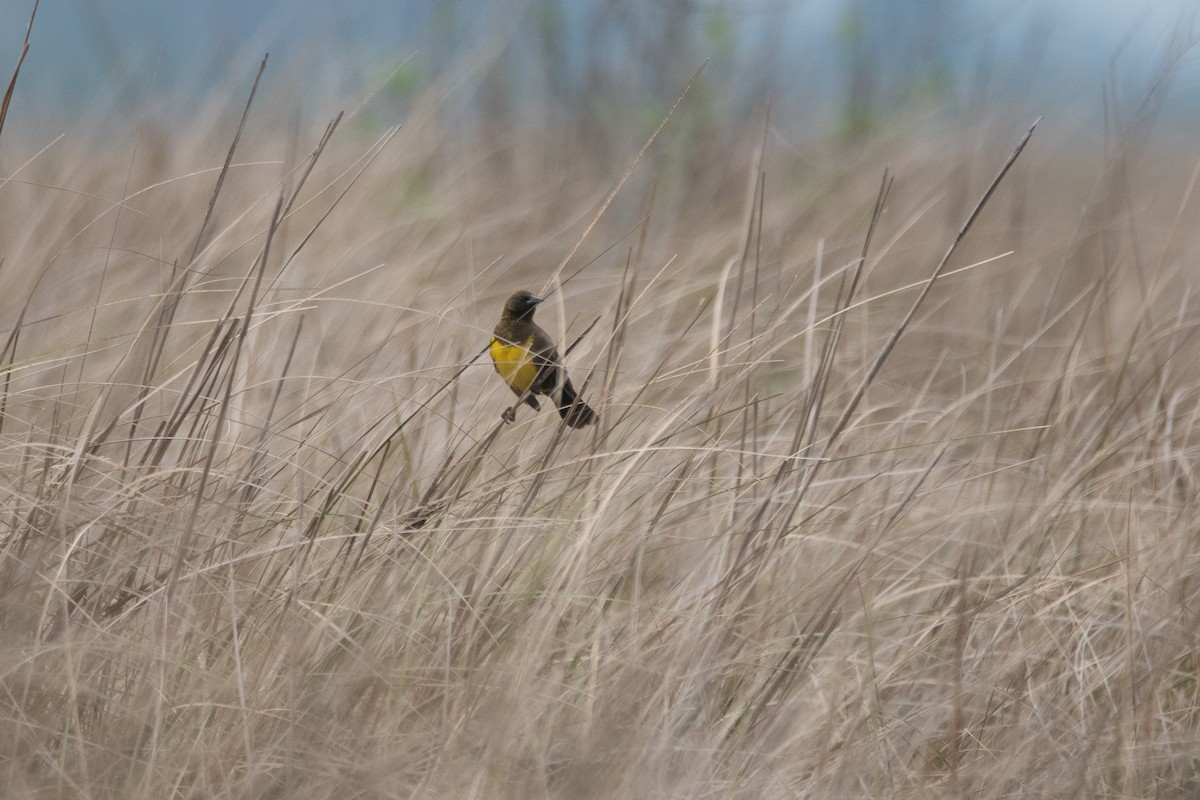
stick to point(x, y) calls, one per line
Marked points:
point(509, 414)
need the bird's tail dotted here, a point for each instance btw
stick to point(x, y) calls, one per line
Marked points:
point(573, 410)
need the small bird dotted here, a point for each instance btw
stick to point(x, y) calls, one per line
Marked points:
point(529, 363)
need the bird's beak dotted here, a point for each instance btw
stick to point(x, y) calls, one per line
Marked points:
point(533, 301)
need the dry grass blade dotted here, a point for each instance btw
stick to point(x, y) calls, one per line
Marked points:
point(553, 282)
point(238, 332)
point(852, 406)
point(237, 136)
point(12, 82)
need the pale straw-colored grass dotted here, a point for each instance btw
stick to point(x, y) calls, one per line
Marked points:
point(261, 537)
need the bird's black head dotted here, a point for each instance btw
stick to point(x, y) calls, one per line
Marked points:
point(521, 304)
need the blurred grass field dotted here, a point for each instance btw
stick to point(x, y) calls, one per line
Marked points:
point(264, 534)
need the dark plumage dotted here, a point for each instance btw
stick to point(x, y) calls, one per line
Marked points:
point(527, 360)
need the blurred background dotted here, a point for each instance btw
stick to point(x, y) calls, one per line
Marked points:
point(839, 65)
point(518, 117)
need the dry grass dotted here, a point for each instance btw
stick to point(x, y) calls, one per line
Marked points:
point(262, 538)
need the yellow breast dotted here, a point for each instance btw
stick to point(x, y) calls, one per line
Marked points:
point(514, 363)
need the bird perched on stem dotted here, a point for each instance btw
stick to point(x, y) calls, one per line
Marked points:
point(527, 360)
